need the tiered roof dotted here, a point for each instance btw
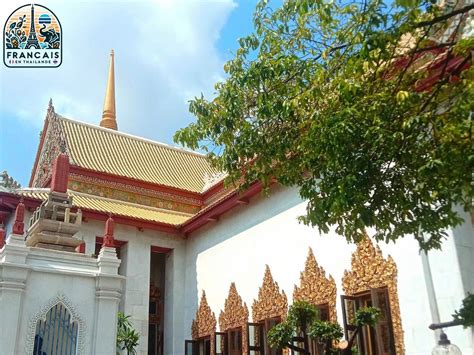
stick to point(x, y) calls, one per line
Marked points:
point(139, 181)
point(108, 151)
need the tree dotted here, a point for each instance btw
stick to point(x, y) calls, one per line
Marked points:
point(365, 106)
point(303, 321)
point(465, 315)
point(127, 337)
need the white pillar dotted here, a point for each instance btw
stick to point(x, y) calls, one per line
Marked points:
point(136, 268)
point(13, 275)
point(174, 302)
point(108, 292)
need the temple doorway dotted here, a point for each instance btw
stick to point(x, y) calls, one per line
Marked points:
point(156, 303)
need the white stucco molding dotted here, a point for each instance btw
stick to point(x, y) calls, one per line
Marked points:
point(14, 251)
point(75, 317)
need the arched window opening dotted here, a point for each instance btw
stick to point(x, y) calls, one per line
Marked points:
point(57, 333)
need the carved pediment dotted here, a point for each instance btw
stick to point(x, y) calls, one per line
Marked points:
point(236, 313)
point(205, 322)
point(270, 303)
point(53, 143)
point(315, 287)
point(371, 270)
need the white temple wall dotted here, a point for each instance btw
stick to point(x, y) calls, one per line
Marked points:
point(135, 266)
point(33, 280)
point(237, 247)
point(77, 287)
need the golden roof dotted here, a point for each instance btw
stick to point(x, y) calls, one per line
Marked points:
point(105, 150)
point(115, 207)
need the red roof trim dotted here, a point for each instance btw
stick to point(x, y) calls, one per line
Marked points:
point(229, 202)
point(11, 200)
point(213, 190)
point(128, 221)
point(210, 214)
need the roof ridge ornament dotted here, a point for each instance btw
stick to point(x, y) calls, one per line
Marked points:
point(109, 119)
point(109, 233)
point(50, 105)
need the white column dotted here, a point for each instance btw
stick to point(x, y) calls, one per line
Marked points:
point(449, 290)
point(108, 292)
point(174, 302)
point(13, 276)
point(136, 267)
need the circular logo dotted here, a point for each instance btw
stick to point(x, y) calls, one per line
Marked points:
point(32, 38)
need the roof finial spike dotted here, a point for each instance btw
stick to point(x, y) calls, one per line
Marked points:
point(50, 105)
point(109, 116)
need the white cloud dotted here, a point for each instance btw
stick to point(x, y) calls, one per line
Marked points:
point(165, 54)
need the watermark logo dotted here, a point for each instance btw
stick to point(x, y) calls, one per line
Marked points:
point(32, 38)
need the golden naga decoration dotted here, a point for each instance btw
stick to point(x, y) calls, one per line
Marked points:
point(369, 271)
point(271, 303)
point(205, 323)
point(315, 287)
point(235, 315)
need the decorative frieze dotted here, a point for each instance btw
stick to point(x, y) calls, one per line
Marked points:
point(132, 194)
point(369, 271)
point(315, 287)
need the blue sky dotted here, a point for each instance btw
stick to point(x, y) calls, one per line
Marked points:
point(166, 53)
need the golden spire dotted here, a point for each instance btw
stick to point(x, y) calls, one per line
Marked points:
point(108, 116)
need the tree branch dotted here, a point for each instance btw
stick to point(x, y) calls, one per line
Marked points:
point(438, 46)
point(441, 18)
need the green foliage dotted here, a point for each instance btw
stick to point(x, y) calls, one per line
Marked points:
point(302, 313)
point(465, 315)
point(280, 335)
point(314, 99)
point(303, 318)
point(325, 331)
point(127, 337)
point(367, 316)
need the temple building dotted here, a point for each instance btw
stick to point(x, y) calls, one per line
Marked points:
point(113, 222)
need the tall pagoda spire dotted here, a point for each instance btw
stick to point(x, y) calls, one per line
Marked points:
point(108, 116)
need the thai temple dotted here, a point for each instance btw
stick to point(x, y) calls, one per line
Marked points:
point(113, 222)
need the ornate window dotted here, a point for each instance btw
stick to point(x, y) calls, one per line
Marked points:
point(203, 331)
point(373, 282)
point(57, 334)
point(267, 311)
point(233, 325)
point(318, 290)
